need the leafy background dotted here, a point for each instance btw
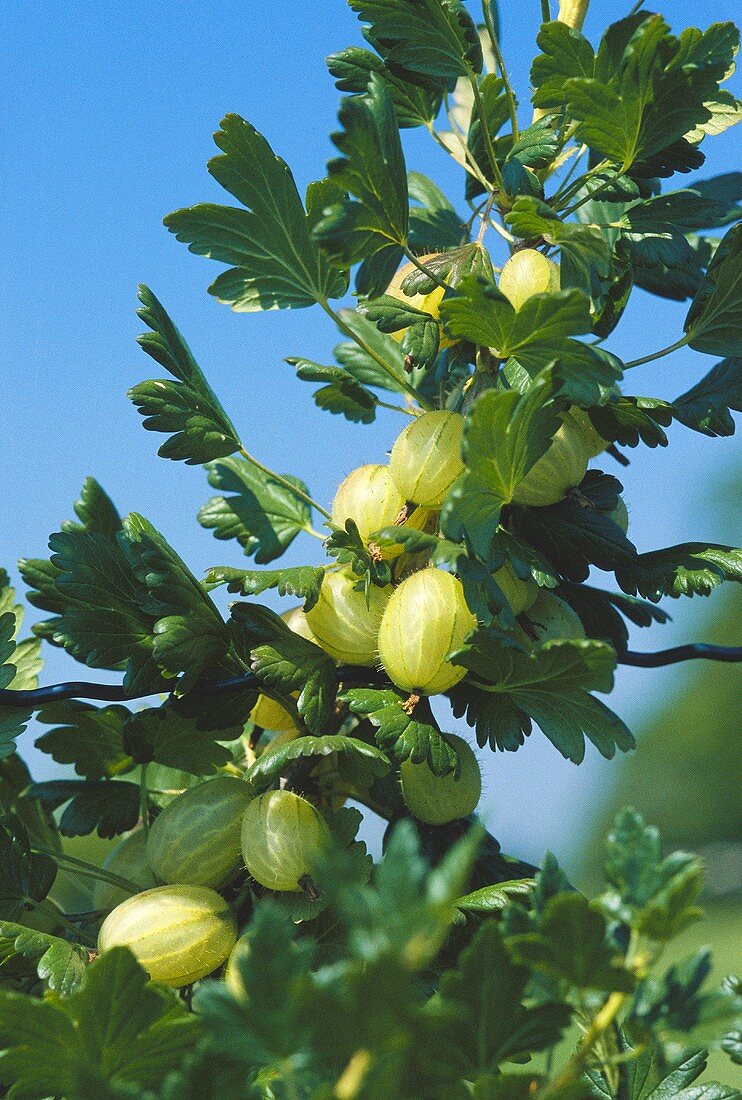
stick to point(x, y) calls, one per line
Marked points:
point(108, 128)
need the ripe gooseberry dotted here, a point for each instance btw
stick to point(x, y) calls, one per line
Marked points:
point(426, 457)
point(270, 715)
point(177, 933)
point(195, 841)
point(526, 273)
point(437, 799)
point(296, 620)
point(595, 442)
point(519, 594)
point(129, 860)
point(428, 303)
point(369, 496)
point(551, 618)
point(342, 623)
point(562, 467)
point(426, 618)
point(282, 836)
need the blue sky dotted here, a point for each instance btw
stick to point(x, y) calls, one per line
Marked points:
point(107, 127)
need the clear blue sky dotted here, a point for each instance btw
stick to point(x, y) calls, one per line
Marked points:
point(107, 126)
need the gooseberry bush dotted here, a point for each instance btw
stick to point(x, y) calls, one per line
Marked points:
point(238, 940)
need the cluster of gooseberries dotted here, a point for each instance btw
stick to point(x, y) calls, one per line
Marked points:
point(179, 925)
point(412, 625)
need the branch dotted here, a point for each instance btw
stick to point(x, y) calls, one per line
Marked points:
point(690, 652)
point(346, 674)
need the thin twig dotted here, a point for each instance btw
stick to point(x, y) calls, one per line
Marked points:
point(348, 674)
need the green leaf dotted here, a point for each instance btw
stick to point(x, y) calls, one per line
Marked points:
point(706, 406)
point(440, 552)
point(20, 663)
point(493, 899)
point(287, 662)
point(452, 266)
point(272, 763)
point(429, 42)
point(358, 362)
point(575, 534)
point(678, 283)
point(495, 113)
point(715, 316)
point(25, 876)
point(434, 224)
point(535, 336)
point(565, 54)
point(504, 435)
point(405, 913)
point(655, 896)
point(488, 1022)
point(353, 68)
point(627, 420)
point(372, 168)
point(690, 569)
point(190, 634)
point(262, 1025)
point(117, 1029)
point(637, 105)
point(102, 621)
point(60, 964)
point(677, 1002)
point(187, 407)
point(402, 735)
point(262, 514)
point(599, 612)
point(480, 313)
point(343, 393)
point(572, 944)
point(176, 740)
point(276, 265)
point(303, 581)
point(657, 227)
point(109, 741)
point(89, 737)
point(347, 546)
point(109, 807)
point(549, 686)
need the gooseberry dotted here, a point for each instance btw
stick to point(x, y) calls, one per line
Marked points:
point(519, 594)
point(282, 837)
point(370, 497)
point(437, 799)
point(426, 457)
point(426, 618)
point(129, 860)
point(551, 618)
point(196, 839)
point(595, 442)
point(526, 273)
point(177, 933)
point(296, 620)
point(270, 715)
point(562, 467)
point(343, 623)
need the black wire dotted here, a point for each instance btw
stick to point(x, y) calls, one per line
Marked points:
point(347, 674)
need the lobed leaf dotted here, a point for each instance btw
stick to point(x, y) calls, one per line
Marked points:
point(275, 263)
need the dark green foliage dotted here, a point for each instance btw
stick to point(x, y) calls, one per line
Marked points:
point(447, 970)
